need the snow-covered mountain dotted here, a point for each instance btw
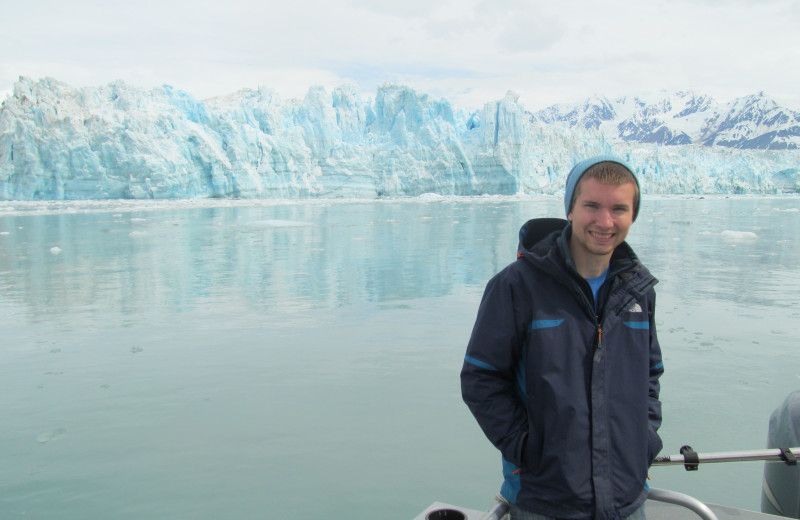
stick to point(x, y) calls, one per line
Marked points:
point(755, 122)
point(116, 141)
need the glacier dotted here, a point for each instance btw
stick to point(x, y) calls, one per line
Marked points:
point(58, 142)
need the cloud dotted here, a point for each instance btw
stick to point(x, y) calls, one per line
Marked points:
point(405, 9)
point(530, 33)
point(463, 48)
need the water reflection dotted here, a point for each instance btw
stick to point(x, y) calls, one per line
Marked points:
point(306, 256)
point(265, 257)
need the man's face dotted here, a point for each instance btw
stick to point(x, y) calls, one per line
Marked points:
point(601, 217)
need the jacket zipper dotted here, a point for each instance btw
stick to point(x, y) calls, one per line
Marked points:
point(599, 335)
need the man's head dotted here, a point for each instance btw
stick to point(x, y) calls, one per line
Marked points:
point(607, 170)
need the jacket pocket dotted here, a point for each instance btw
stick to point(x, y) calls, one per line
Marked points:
point(533, 452)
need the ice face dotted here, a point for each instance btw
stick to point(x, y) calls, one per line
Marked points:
point(116, 141)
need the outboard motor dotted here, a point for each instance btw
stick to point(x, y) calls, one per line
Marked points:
point(780, 494)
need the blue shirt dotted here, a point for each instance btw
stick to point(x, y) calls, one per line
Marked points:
point(596, 282)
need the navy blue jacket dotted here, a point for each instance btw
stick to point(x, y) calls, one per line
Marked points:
point(567, 393)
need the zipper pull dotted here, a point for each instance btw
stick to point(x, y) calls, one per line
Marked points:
point(599, 337)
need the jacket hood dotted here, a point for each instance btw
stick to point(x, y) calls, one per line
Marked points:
point(535, 230)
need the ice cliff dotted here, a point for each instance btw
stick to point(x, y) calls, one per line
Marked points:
point(116, 141)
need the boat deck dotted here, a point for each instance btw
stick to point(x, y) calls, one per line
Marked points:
point(655, 511)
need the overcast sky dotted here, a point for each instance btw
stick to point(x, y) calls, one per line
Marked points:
point(469, 52)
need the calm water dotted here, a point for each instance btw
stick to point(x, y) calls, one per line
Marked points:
point(232, 359)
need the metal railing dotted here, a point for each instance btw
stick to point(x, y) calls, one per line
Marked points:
point(776, 455)
point(673, 497)
point(500, 508)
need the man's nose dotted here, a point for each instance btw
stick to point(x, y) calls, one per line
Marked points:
point(605, 218)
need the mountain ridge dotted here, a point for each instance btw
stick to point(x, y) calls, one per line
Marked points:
point(753, 122)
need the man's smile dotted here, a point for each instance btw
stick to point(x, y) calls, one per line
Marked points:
point(601, 236)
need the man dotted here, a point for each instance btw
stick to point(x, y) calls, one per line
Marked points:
point(562, 368)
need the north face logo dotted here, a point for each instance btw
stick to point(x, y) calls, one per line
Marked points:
point(636, 308)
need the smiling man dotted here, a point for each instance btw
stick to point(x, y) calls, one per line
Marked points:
point(562, 368)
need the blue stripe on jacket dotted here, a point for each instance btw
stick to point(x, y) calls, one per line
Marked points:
point(478, 363)
point(544, 324)
point(643, 325)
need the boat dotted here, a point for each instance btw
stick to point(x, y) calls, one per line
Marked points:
point(780, 494)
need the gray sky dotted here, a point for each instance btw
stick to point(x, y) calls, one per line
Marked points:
point(469, 51)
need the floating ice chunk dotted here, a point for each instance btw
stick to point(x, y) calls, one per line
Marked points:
point(138, 234)
point(55, 250)
point(430, 197)
point(739, 236)
point(45, 437)
point(4, 233)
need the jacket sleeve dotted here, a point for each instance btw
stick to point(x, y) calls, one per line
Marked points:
point(656, 369)
point(489, 383)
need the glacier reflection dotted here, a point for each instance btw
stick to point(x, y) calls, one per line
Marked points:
point(153, 258)
point(265, 257)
